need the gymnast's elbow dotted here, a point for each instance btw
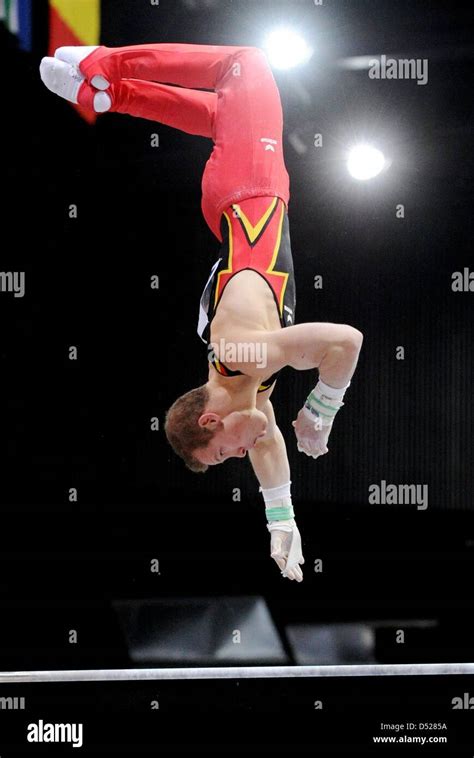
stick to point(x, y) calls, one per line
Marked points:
point(354, 338)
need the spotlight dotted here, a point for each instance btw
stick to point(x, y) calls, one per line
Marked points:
point(365, 162)
point(286, 49)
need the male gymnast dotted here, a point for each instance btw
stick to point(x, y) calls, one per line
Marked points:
point(247, 309)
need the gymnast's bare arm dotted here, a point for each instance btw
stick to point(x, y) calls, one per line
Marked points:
point(331, 348)
point(269, 458)
point(270, 463)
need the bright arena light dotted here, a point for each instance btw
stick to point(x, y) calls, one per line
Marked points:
point(365, 162)
point(286, 49)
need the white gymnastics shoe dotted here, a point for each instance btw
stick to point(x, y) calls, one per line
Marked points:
point(75, 54)
point(61, 78)
point(67, 82)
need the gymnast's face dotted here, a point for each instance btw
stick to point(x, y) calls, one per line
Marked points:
point(234, 435)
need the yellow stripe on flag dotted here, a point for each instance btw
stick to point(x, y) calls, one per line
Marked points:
point(82, 16)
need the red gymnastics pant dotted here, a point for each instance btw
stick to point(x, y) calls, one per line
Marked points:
point(242, 115)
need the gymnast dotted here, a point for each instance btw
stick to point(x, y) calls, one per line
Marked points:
point(247, 309)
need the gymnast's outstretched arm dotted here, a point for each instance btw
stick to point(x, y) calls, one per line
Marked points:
point(269, 458)
point(269, 461)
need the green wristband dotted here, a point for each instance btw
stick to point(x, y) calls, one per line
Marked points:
point(280, 513)
point(316, 403)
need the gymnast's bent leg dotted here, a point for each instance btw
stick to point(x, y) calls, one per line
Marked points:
point(185, 109)
point(193, 66)
point(189, 110)
point(247, 120)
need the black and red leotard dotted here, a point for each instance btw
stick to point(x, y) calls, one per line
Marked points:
point(255, 235)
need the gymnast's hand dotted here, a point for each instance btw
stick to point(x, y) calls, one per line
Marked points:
point(285, 548)
point(312, 440)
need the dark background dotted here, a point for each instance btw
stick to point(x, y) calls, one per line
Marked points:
point(86, 424)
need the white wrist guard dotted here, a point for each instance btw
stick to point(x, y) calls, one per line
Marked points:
point(323, 403)
point(278, 506)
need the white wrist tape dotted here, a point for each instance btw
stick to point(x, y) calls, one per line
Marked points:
point(274, 493)
point(278, 506)
point(323, 403)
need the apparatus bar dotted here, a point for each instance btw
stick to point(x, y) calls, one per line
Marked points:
point(238, 672)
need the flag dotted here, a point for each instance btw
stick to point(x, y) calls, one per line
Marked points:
point(17, 15)
point(74, 22)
